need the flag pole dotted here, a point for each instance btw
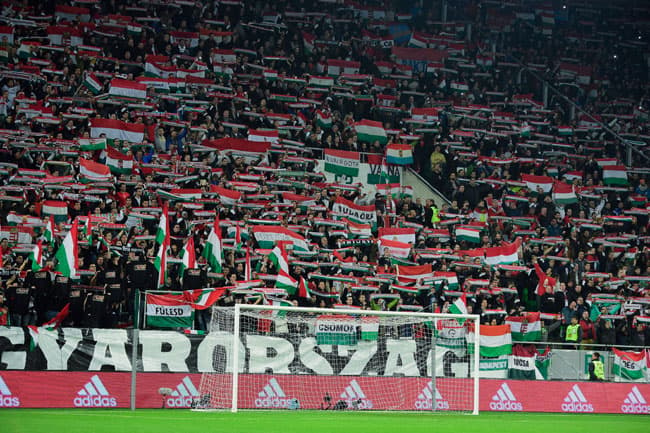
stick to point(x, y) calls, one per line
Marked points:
point(134, 346)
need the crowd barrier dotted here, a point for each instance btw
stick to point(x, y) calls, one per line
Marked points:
point(57, 389)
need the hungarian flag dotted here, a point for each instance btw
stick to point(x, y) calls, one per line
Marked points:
point(402, 234)
point(92, 83)
point(250, 151)
point(450, 278)
point(534, 182)
point(302, 200)
point(117, 130)
point(127, 89)
point(118, 162)
point(459, 306)
point(396, 249)
point(360, 214)
point(160, 262)
point(615, 175)
point(369, 328)
point(227, 196)
point(286, 282)
point(543, 362)
point(163, 226)
point(55, 209)
point(338, 67)
point(71, 13)
point(321, 82)
point(279, 258)
point(36, 256)
point(56, 34)
point(201, 299)
point(629, 366)
point(503, 255)
point(425, 114)
point(248, 269)
point(212, 251)
point(92, 144)
point(67, 254)
point(269, 136)
point(388, 189)
point(411, 274)
point(570, 176)
point(495, 340)
point(360, 230)
point(342, 162)
point(190, 38)
point(459, 87)
point(48, 233)
point(370, 131)
point(94, 171)
point(323, 119)
point(527, 327)
point(183, 194)
point(564, 193)
point(303, 290)
point(169, 311)
point(188, 258)
point(268, 236)
point(7, 35)
point(399, 154)
point(521, 363)
point(336, 329)
point(308, 41)
point(469, 234)
point(604, 162)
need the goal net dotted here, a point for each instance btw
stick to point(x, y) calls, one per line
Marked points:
point(334, 359)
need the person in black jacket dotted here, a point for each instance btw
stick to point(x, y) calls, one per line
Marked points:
point(606, 333)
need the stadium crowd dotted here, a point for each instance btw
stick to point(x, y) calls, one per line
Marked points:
point(165, 94)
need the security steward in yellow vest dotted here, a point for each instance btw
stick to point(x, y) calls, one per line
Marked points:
point(573, 331)
point(435, 216)
point(596, 368)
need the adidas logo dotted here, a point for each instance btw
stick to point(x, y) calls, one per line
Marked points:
point(94, 394)
point(575, 401)
point(6, 399)
point(425, 399)
point(505, 400)
point(355, 397)
point(183, 395)
point(272, 396)
point(635, 403)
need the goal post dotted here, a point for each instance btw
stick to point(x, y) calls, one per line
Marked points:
point(281, 357)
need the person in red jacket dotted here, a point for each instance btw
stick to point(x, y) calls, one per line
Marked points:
point(588, 330)
point(544, 279)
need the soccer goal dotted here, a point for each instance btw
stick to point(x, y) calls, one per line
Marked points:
point(333, 359)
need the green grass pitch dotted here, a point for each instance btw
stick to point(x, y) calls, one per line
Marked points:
point(181, 421)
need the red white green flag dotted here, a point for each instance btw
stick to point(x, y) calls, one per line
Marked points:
point(615, 175)
point(67, 254)
point(36, 256)
point(171, 310)
point(564, 193)
point(286, 282)
point(160, 262)
point(127, 89)
point(188, 257)
point(201, 299)
point(212, 251)
point(342, 162)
